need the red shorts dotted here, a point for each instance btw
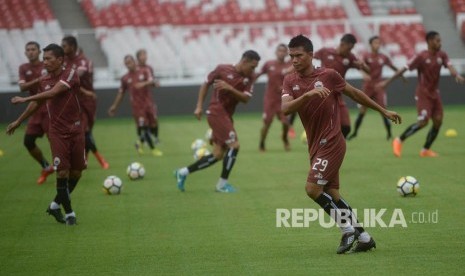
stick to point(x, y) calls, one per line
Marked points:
point(88, 115)
point(68, 151)
point(326, 162)
point(146, 116)
point(344, 114)
point(38, 123)
point(429, 108)
point(223, 132)
point(271, 109)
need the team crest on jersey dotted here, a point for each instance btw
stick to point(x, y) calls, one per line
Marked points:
point(439, 60)
point(56, 161)
point(331, 57)
point(428, 61)
point(141, 77)
point(296, 87)
point(44, 72)
point(272, 68)
point(380, 61)
point(318, 84)
point(245, 81)
point(230, 76)
point(345, 61)
point(29, 72)
point(130, 80)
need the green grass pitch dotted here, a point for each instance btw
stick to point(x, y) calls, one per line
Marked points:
point(153, 229)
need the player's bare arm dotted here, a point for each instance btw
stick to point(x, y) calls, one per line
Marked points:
point(30, 109)
point(201, 98)
point(88, 93)
point(290, 105)
point(383, 84)
point(455, 74)
point(395, 69)
point(116, 103)
point(57, 89)
point(361, 98)
point(143, 84)
point(224, 86)
point(362, 66)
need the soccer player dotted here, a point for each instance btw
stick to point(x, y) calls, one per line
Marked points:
point(231, 84)
point(428, 63)
point(375, 61)
point(88, 99)
point(138, 82)
point(342, 59)
point(141, 56)
point(66, 135)
point(30, 75)
point(275, 70)
point(315, 94)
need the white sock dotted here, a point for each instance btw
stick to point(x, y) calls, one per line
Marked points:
point(183, 171)
point(364, 237)
point(54, 206)
point(221, 183)
point(347, 229)
point(72, 214)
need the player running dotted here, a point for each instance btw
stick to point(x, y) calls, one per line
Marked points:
point(66, 135)
point(138, 82)
point(315, 94)
point(231, 84)
point(375, 61)
point(428, 63)
point(30, 75)
point(275, 70)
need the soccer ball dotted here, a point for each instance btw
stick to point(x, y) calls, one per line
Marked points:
point(408, 186)
point(201, 153)
point(303, 137)
point(198, 144)
point(112, 185)
point(135, 171)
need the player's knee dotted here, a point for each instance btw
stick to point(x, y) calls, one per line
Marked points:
point(29, 142)
point(313, 190)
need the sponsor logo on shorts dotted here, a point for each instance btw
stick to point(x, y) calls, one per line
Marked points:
point(319, 176)
point(321, 182)
point(323, 141)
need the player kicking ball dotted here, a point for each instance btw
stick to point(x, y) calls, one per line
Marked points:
point(315, 94)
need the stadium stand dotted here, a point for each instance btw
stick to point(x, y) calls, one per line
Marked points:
point(23, 21)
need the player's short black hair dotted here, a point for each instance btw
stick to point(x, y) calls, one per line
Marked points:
point(349, 38)
point(373, 38)
point(301, 41)
point(251, 55)
point(140, 52)
point(33, 43)
point(55, 49)
point(71, 40)
point(430, 35)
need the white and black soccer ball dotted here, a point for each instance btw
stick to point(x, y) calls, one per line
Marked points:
point(135, 171)
point(408, 186)
point(198, 144)
point(199, 153)
point(112, 185)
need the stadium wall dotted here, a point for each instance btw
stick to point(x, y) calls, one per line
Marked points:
point(181, 100)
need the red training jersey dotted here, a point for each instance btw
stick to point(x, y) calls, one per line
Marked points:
point(139, 98)
point(320, 116)
point(223, 101)
point(331, 59)
point(375, 62)
point(275, 70)
point(29, 72)
point(64, 109)
point(428, 65)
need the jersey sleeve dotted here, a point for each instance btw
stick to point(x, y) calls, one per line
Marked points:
point(213, 75)
point(21, 74)
point(287, 87)
point(339, 82)
point(70, 77)
point(445, 60)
